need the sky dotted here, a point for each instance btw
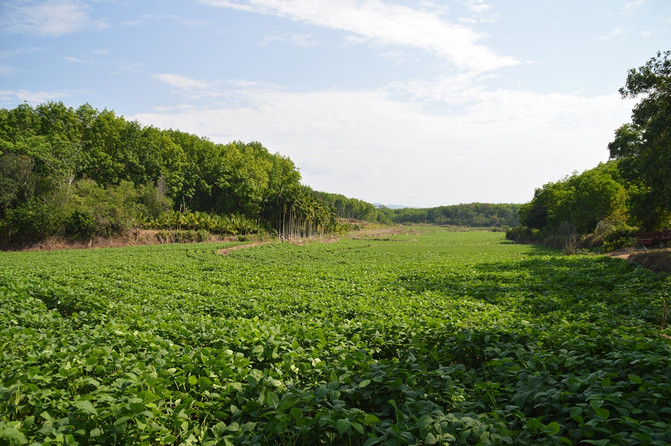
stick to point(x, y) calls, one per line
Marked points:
point(418, 103)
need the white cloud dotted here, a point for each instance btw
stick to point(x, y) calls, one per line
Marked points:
point(631, 6)
point(46, 18)
point(480, 12)
point(182, 82)
point(498, 146)
point(6, 70)
point(302, 40)
point(389, 24)
point(31, 97)
point(76, 60)
point(613, 35)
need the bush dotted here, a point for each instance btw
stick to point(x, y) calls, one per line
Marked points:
point(34, 222)
point(609, 236)
point(523, 234)
point(80, 224)
point(565, 238)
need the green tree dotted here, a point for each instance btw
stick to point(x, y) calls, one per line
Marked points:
point(17, 181)
point(644, 145)
point(581, 200)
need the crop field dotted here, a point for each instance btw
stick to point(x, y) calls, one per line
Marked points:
point(430, 337)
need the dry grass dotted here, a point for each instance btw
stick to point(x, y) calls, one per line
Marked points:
point(658, 260)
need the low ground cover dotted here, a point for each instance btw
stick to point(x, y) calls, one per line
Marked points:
point(426, 338)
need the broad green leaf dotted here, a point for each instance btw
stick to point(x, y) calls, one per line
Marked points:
point(602, 412)
point(86, 407)
point(204, 383)
point(343, 425)
point(635, 378)
point(552, 428)
point(371, 419)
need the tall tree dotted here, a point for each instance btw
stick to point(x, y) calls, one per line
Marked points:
point(644, 145)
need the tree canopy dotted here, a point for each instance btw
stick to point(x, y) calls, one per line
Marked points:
point(65, 170)
point(643, 146)
point(582, 200)
point(469, 214)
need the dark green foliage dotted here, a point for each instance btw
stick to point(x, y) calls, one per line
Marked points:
point(352, 208)
point(472, 214)
point(443, 337)
point(17, 181)
point(108, 174)
point(582, 200)
point(644, 146)
point(582, 210)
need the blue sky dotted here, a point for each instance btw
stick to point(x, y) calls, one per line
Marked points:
point(420, 103)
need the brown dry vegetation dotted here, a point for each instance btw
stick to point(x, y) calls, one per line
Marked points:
point(658, 260)
point(129, 238)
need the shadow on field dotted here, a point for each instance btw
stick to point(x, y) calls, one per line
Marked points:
point(533, 250)
point(583, 287)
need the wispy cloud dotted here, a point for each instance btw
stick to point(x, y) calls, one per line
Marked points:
point(6, 70)
point(181, 82)
point(31, 97)
point(388, 24)
point(46, 18)
point(18, 52)
point(148, 18)
point(480, 12)
point(613, 35)
point(303, 40)
point(631, 6)
point(78, 60)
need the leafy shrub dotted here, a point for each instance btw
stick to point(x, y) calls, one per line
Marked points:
point(34, 221)
point(610, 236)
point(523, 234)
point(80, 224)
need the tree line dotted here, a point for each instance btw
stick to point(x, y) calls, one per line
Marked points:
point(80, 173)
point(629, 193)
point(470, 214)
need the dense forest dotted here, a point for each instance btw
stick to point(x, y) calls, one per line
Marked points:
point(79, 173)
point(471, 214)
point(629, 193)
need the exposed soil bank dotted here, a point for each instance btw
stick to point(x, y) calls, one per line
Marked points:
point(658, 260)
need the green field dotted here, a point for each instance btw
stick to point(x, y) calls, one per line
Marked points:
point(421, 338)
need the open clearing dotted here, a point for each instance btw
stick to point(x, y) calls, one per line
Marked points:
point(430, 337)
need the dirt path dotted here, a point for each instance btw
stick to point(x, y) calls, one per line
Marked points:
point(227, 251)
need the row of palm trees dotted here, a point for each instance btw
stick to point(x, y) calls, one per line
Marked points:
point(296, 213)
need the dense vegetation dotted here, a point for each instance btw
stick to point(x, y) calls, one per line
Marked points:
point(644, 145)
point(471, 214)
point(433, 338)
point(81, 172)
point(615, 199)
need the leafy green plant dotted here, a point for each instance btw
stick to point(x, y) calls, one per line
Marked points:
point(443, 337)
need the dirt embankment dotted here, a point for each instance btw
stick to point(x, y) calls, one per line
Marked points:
point(658, 260)
point(129, 238)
